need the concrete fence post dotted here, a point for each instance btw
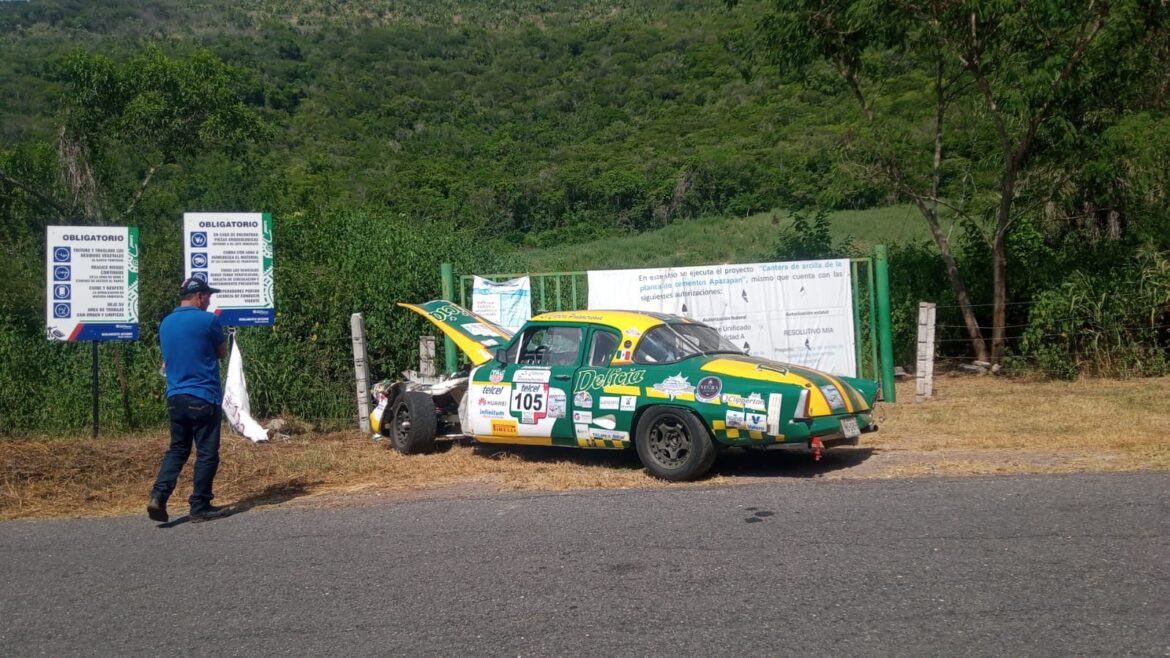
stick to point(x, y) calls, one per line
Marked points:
point(361, 371)
point(426, 356)
point(924, 372)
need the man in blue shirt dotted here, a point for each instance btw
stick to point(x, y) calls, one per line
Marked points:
point(192, 346)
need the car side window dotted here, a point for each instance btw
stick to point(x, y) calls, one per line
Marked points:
point(602, 347)
point(550, 346)
point(513, 350)
point(657, 346)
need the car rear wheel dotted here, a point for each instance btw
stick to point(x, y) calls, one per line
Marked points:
point(413, 423)
point(673, 444)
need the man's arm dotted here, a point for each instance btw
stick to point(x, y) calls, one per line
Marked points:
point(221, 350)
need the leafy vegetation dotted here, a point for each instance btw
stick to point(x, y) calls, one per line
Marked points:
point(572, 134)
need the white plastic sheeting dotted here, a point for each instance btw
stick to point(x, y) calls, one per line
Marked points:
point(236, 407)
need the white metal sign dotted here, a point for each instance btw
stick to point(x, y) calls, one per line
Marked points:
point(799, 312)
point(91, 278)
point(232, 252)
point(507, 303)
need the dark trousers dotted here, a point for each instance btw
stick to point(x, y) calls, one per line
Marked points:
point(193, 420)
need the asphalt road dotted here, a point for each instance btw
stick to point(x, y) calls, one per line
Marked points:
point(1019, 565)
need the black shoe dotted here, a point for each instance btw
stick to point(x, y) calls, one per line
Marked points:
point(156, 509)
point(210, 512)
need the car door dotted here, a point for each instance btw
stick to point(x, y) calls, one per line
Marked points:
point(535, 379)
point(602, 407)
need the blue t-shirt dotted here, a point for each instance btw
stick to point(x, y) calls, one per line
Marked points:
point(189, 337)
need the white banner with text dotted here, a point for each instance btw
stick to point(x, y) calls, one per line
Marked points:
point(507, 303)
point(798, 312)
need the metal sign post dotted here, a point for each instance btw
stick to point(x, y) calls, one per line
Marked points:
point(91, 288)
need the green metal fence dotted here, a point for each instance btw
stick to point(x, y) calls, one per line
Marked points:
point(569, 291)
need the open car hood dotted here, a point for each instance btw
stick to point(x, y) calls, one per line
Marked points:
point(475, 335)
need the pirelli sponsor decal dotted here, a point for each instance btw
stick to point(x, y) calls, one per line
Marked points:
point(504, 427)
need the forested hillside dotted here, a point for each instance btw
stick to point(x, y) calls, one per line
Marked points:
point(566, 116)
point(385, 137)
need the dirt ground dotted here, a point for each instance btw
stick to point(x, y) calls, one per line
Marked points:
point(973, 426)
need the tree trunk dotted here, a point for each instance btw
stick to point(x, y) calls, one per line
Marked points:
point(999, 261)
point(957, 285)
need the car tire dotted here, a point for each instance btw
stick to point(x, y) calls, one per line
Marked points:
point(412, 423)
point(673, 444)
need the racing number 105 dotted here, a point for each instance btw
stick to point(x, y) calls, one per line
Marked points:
point(528, 401)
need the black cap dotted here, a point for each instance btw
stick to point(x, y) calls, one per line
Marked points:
point(194, 285)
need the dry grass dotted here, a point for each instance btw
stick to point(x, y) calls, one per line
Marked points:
point(975, 425)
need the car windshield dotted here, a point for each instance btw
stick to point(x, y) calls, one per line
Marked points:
point(672, 342)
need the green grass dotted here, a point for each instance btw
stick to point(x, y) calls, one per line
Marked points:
point(723, 240)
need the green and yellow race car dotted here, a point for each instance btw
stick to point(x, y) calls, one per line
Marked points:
point(672, 388)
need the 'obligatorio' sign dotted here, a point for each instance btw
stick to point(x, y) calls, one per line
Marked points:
point(232, 252)
point(91, 279)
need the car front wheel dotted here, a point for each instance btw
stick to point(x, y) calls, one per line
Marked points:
point(413, 423)
point(673, 444)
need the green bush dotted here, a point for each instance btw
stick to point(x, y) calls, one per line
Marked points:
point(1111, 322)
point(328, 265)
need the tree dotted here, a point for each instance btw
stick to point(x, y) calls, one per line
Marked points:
point(122, 123)
point(959, 101)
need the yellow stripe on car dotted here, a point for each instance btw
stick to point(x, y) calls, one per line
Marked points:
point(655, 393)
point(817, 404)
point(518, 440)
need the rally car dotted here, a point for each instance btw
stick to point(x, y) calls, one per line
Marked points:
point(672, 388)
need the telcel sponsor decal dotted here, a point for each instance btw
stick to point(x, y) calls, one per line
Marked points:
point(493, 390)
point(504, 427)
point(708, 389)
point(596, 380)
